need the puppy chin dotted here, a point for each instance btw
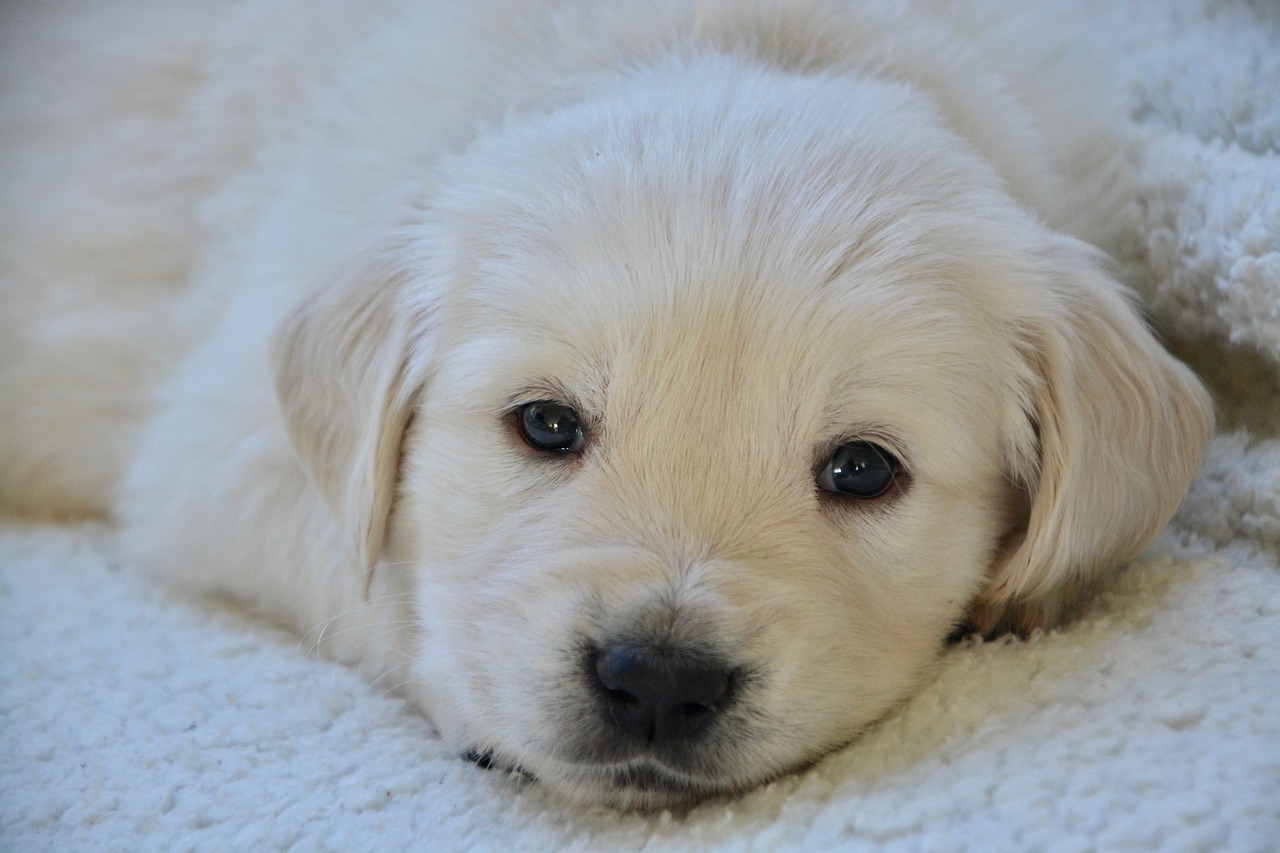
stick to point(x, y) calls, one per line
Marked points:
point(642, 786)
point(638, 786)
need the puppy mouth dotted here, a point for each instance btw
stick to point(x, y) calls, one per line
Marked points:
point(651, 779)
point(483, 759)
point(643, 784)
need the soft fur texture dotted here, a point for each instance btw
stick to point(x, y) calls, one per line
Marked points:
point(274, 289)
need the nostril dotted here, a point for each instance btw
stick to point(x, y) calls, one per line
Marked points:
point(660, 694)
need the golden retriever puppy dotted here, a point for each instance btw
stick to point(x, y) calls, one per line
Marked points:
point(647, 390)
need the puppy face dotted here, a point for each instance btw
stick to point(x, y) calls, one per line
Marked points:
point(727, 408)
point(696, 522)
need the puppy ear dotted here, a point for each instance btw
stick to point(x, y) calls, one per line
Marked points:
point(342, 371)
point(1117, 429)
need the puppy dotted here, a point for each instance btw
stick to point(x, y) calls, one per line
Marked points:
point(648, 393)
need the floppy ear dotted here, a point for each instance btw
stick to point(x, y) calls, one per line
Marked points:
point(342, 371)
point(1120, 428)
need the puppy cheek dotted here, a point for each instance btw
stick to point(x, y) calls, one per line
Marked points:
point(889, 616)
point(440, 522)
point(498, 620)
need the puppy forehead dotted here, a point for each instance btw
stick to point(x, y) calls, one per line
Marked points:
point(692, 343)
point(762, 237)
point(859, 354)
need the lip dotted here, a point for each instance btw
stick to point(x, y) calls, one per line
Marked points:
point(644, 776)
point(644, 785)
point(651, 777)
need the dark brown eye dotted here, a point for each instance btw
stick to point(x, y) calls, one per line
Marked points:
point(860, 470)
point(550, 426)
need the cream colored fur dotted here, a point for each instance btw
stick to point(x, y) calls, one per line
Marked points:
point(276, 275)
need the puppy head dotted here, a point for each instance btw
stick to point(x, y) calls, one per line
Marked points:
point(727, 407)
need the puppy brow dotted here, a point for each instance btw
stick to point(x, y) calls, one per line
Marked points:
point(588, 400)
point(530, 392)
point(876, 434)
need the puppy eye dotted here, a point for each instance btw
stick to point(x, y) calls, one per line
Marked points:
point(860, 470)
point(550, 426)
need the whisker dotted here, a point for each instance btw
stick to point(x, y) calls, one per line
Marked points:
point(380, 601)
point(394, 624)
point(398, 686)
point(385, 633)
point(345, 653)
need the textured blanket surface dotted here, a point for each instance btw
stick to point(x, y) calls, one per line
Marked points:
point(131, 719)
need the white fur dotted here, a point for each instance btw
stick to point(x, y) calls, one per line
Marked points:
point(276, 276)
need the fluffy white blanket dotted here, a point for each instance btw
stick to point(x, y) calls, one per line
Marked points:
point(132, 720)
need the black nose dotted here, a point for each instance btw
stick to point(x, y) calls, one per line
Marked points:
point(661, 695)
